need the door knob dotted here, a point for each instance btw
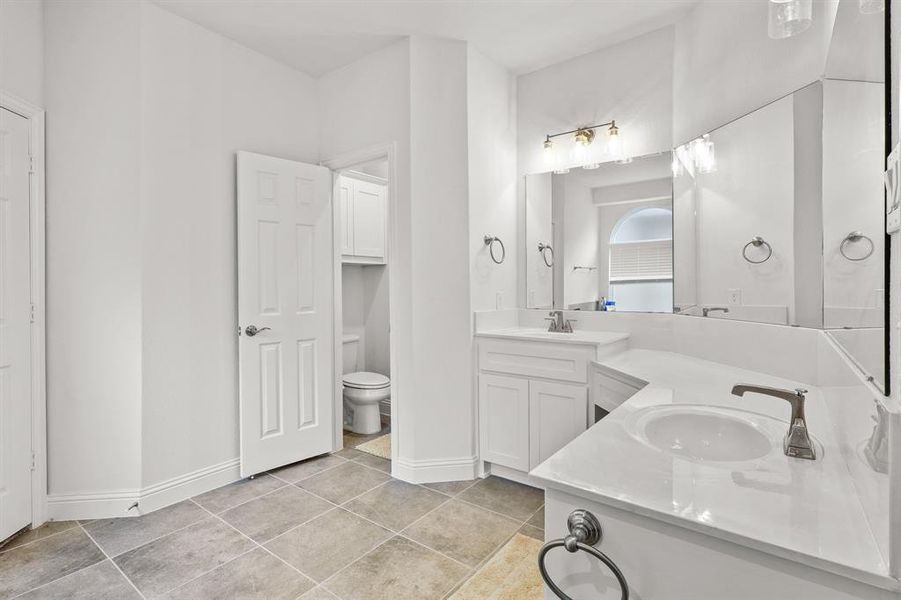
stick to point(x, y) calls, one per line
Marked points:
point(252, 330)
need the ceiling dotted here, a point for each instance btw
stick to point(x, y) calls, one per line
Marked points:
point(317, 36)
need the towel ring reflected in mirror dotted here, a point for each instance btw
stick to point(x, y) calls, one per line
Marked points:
point(853, 238)
point(757, 242)
point(489, 241)
point(544, 249)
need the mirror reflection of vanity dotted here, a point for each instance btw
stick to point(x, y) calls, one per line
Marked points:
point(777, 216)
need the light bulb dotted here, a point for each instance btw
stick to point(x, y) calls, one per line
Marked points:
point(789, 17)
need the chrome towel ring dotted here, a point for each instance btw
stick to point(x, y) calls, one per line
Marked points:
point(584, 533)
point(489, 241)
point(757, 242)
point(543, 249)
point(854, 237)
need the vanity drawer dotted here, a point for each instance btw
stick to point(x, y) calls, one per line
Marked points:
point(535, 359)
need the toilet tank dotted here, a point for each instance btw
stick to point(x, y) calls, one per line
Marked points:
point(351, 352)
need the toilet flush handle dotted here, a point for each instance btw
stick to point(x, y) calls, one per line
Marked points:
point(252, 330)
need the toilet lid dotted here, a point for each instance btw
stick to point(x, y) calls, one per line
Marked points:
point(365, 380)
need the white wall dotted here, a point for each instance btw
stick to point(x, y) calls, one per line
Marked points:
point(22, 49)
point(365, 312)
point(725, 65)
point(491, 109)
point(749, 194)
point(203, 98)
point(145, 112)
point(630, 82)
point(538, 215)
point(441, 315)
point(580, 248)
point(853, 158)
point(92, 97)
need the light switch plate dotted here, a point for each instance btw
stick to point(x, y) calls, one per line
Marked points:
point(499, 300)
point(734, 296)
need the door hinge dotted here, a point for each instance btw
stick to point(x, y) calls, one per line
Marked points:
point(30, 164)
point(34, 461)
point(32, 313)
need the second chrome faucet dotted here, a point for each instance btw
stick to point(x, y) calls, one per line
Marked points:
point(796, 443)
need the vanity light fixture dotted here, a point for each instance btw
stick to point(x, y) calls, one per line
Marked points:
point(788, 18)
point(583, 138)
point(591, 166)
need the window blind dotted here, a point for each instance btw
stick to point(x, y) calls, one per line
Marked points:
point(641, 261)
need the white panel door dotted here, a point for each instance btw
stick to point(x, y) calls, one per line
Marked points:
point(369, 219)
point(346, 200)
point(504, 421)
point(285, 289)
point(558, 414)
point(15, 326)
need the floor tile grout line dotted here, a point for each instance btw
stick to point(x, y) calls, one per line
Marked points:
point(109, 558)
point(346, 460)
point(52, 581)
point(4, 550)
point(207, 572)
point(281, 487)
point(265, 549)
point(150, 541)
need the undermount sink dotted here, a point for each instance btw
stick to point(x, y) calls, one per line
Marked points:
point(708, 433)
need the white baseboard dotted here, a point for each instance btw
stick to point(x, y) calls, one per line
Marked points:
point(104, 505)
point(100, 505)
point(186, 486)
point(430, 471)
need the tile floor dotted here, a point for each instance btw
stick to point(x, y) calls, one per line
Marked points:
point(333, 527)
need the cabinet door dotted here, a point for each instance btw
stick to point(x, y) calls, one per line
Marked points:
point(558, 413)
point(369, 219)
point(504, 421)
point(345, 201)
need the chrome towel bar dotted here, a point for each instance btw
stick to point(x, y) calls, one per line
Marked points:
point(757, 242)
point(489, 241)
point(853, 237)
point(584, 533)
point(544, 249)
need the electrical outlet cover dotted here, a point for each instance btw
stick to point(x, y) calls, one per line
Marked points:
point(734, 296)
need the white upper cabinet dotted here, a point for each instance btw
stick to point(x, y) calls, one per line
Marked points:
point(363, 211)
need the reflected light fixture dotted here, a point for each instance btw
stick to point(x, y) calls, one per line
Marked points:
point(582, 139)
point(788, 18)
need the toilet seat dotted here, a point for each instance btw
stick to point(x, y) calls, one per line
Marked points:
point(365, 380)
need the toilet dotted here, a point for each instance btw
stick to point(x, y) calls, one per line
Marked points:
point(363, 391)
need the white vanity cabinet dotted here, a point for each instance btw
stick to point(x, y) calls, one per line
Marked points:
point(362, 212)
point(610, 388)
point(533, 400)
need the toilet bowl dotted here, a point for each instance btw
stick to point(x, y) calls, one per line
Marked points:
point(362, 393)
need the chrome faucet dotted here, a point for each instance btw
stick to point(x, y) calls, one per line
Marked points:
point(558, 323)
point(797, 442)
point(709, 309)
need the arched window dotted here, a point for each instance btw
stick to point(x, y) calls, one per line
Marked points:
point(641, 261)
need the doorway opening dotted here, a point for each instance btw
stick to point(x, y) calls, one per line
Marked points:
point(365, 368)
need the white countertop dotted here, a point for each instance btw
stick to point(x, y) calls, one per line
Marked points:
point(595, 338)
point(808, 511)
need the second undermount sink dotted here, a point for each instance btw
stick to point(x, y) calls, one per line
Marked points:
point(708, 433)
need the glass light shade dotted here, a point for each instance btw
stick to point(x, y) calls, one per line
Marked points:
point(869, 7)
point(562, 171)
point(550, 154)
point(614, 143)
point(591, 166)
point(704, 155)
point(789, 17)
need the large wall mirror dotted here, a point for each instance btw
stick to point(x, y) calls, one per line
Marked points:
point(777, 216)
